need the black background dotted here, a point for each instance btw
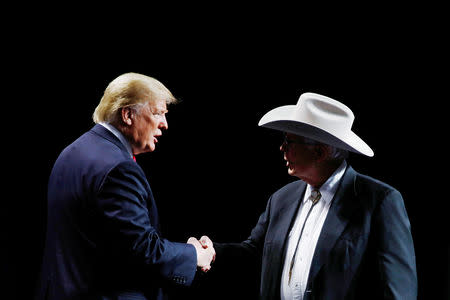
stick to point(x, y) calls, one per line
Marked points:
point(214, 169)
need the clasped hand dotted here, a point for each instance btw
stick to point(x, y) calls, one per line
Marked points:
point(205, 252)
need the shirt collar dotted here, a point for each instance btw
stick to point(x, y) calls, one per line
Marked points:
point(119, 135)
point(328, 189)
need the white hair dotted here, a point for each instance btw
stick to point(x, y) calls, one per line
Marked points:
point(335, 153)
point(131, 90)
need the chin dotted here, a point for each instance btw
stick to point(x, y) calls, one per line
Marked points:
point(146, 149)
point(291, 172)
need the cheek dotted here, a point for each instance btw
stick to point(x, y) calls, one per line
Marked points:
point(296, 159)
point(291, 154)
point(151, 126)
point(146, 130)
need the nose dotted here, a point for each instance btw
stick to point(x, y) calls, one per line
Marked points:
point(283, 146)
point(163, 124)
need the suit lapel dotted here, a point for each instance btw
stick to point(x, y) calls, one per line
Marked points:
point(289, 213)
point(338, 216)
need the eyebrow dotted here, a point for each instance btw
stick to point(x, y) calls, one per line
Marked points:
point(160, 110)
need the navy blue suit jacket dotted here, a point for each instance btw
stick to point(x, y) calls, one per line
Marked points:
point(365, 249)
point(103, 239)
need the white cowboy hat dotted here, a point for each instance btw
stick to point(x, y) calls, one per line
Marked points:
point(319, 118)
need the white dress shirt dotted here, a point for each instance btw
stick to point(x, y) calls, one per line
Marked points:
point(119, 135)
point(308, 241)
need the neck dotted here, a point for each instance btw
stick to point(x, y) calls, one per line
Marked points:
point(119, 132)
point(322, 173)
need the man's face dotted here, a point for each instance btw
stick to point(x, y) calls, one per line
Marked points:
point(148, 126)
point(299, 156)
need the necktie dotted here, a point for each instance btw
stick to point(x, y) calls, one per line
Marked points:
point(314, 198)
point(134, 158)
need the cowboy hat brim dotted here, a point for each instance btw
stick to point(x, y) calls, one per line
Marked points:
point(281, 118)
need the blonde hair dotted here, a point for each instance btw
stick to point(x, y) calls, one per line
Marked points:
point(129, 90)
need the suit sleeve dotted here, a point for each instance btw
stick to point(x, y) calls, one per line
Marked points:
point(125, 221)
point(395, 253)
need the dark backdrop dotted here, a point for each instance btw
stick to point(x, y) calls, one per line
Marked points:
point(214, 169)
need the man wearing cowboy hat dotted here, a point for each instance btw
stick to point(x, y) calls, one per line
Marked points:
point(335, 233)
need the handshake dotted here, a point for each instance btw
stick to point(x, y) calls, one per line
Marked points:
point(205, 252)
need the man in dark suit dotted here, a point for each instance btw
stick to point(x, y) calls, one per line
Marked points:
point(103, 239)
point(335, 233)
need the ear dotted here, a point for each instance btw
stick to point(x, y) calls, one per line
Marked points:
point(126, 116)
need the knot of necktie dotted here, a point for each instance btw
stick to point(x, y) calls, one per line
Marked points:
point(315, 196)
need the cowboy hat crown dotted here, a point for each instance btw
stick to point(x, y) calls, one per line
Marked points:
point(320, 118)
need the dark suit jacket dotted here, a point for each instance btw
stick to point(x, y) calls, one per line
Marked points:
point(365, 250)
point(103, 239)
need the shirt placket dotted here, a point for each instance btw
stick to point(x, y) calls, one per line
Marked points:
point(298, 285)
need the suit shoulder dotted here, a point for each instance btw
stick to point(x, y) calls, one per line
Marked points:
point(92, 147)
point(91, 158)
point(365, 184)
point(291, 186)
point(289, 189)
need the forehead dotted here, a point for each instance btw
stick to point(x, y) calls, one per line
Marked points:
point(294, 137)
point(158, 103)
